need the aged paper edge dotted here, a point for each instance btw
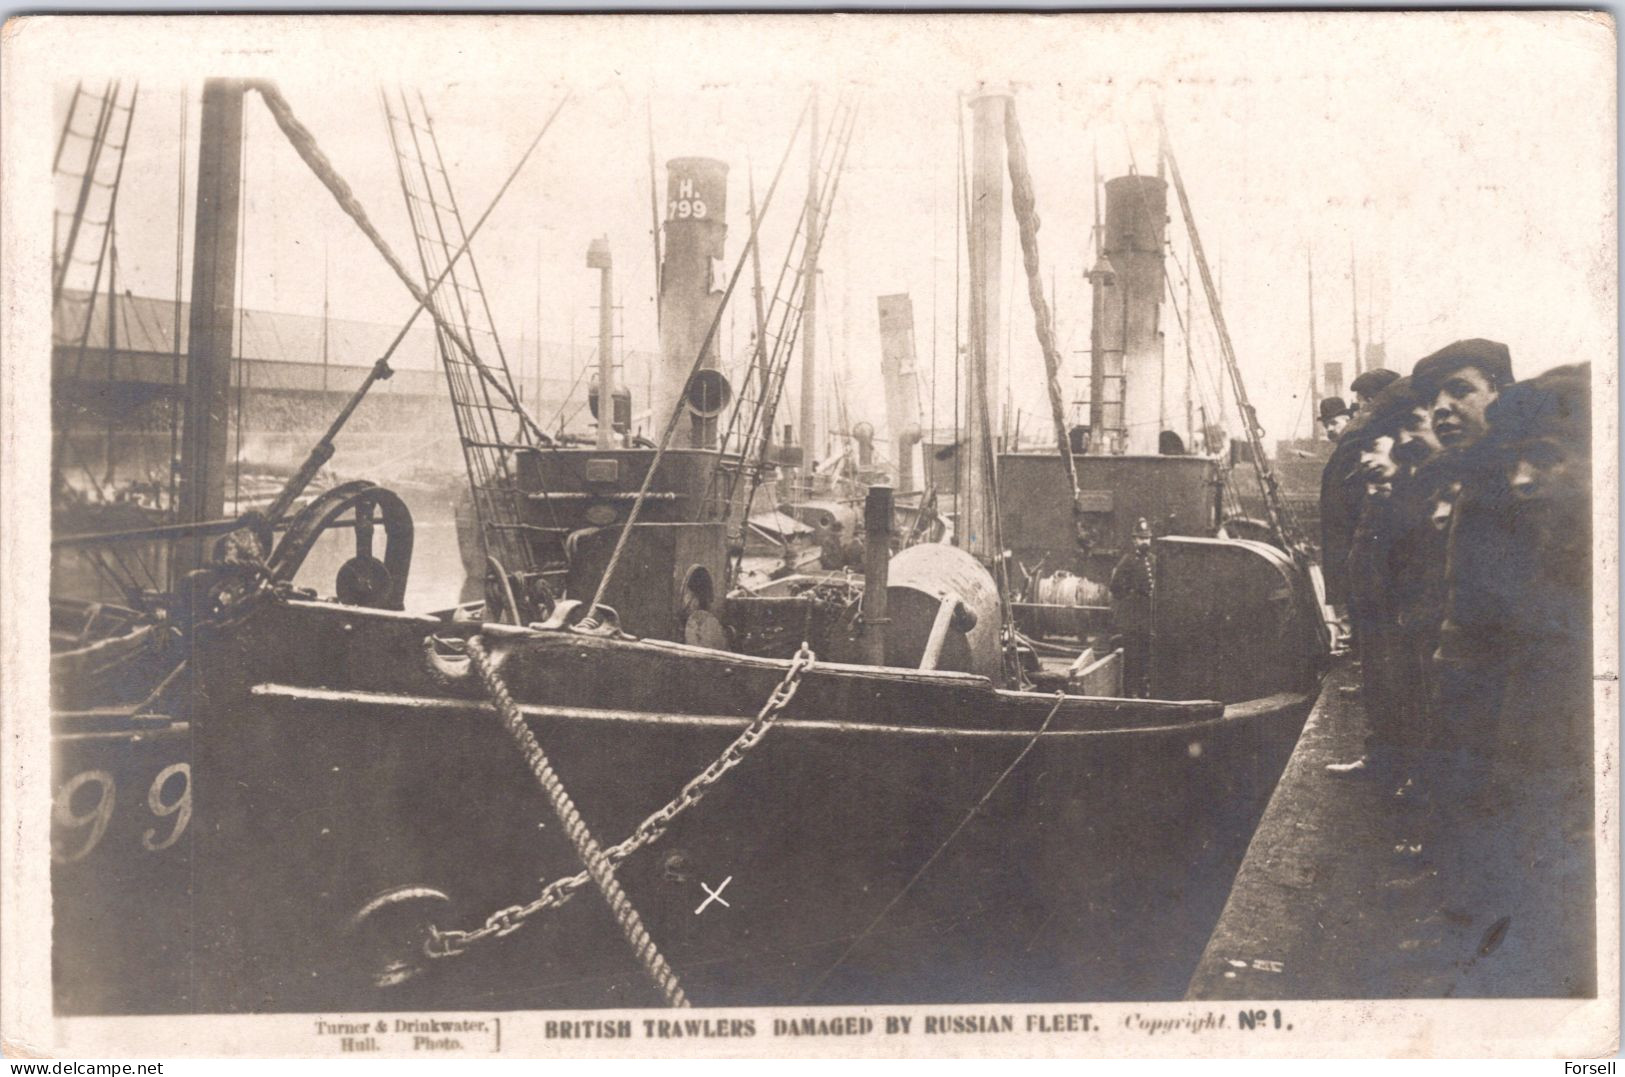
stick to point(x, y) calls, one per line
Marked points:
point(272, 45)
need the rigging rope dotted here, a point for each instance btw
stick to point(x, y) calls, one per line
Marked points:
point(1280, 517)
point(759, 425)
point(1023, 202)
point(586, 846)
point(304, 143)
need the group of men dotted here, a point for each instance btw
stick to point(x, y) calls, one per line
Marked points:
point(1456, 549)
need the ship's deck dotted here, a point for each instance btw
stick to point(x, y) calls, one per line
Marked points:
point(1334, 898)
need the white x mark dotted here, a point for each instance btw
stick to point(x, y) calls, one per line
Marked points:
point(715, 895)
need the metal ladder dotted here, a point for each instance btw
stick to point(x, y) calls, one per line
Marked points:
point(745, 439)
point(87, 169)
point(490, 428)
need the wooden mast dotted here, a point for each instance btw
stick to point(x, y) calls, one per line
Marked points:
point(1354, 294)
point(809, 308)
point(978, 515)
point(1100, 278)
point(1314, 363)
point(213, 314)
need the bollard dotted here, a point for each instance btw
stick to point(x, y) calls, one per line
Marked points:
point(877, 526)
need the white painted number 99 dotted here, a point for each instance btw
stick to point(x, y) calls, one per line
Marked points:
point(164, 799)
point(96, 819)
point(180, 807)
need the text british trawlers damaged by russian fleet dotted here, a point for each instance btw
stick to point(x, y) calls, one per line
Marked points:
point(739, 1028)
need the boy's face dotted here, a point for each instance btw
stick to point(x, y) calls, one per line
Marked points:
point(1414, 442)
point(1377, 459)
point(1545, 468)
point(1459, 408)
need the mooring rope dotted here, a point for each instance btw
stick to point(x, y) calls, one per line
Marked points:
point(575, 828)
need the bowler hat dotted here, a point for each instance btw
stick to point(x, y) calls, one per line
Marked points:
point(1332, 407)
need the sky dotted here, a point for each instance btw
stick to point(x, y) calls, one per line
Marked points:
point(1461, 164)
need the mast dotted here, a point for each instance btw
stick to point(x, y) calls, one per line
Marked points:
point(538, 325)
point(1162, 353)
point(1101, 277)
point(175, 370)
point(1354, 292)
point(763, 362)
point(1197, 438)
point(978, 517)
point(1314, 363)
point(112, 326)
point(654, 213)
point(213, 315)
point(809, 306)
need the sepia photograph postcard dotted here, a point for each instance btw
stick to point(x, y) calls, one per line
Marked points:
point(754, 535)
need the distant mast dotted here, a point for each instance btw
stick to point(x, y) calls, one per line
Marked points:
point(1354, 293)
point(1314, 363)
point(1101, 277)
point(977, 512)
point(809, 306)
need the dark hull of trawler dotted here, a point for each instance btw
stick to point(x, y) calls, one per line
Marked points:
point(877, 849)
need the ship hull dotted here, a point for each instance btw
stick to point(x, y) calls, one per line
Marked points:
point(121, 856)
point(897, 836)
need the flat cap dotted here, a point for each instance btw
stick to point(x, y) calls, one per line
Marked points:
point(1555, 404)
point(1390, 407)
point(1489, 356)
point(1373, 382)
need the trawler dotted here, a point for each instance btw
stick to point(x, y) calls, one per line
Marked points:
point(621, 780)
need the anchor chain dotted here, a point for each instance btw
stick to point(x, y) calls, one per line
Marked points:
point(586, 846)
point(449, 943)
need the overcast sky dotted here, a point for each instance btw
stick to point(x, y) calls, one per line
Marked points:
point(1464, 163)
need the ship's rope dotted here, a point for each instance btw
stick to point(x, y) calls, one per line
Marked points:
point(575, 828)
point(1060, 698)
point(449, 943)
point(1024, 203)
